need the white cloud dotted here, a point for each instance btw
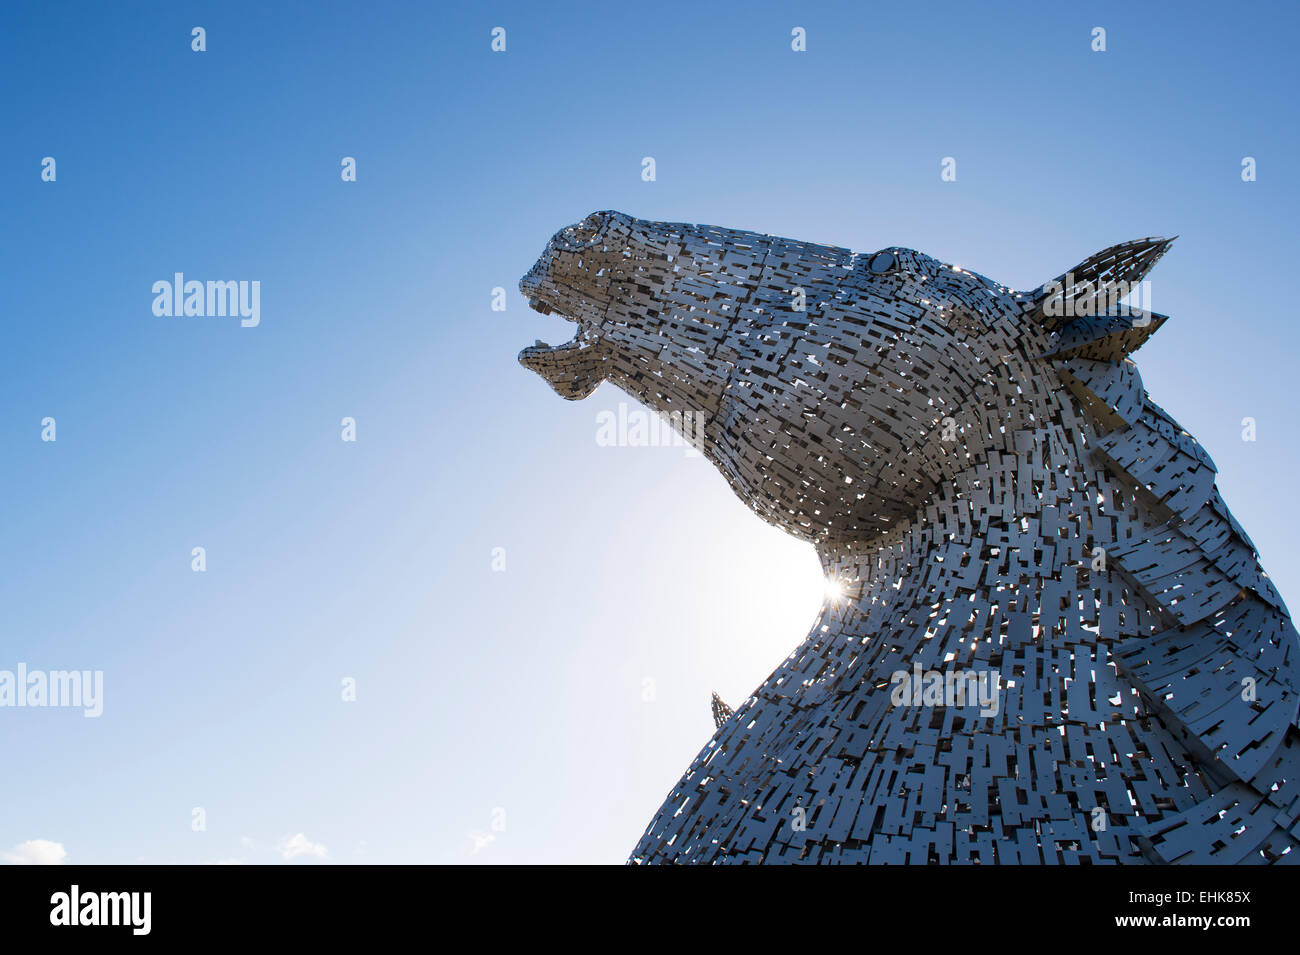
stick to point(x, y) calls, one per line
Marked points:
point(36, 852)
point(300, 845)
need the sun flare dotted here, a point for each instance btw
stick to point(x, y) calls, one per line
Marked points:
point(833, 590)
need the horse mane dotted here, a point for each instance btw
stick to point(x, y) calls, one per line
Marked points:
point(1187, 553)
point(1225, 625)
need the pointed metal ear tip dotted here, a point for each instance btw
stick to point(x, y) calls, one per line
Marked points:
point(1079, 290)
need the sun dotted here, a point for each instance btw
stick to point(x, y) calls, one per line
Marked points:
point(833, 590)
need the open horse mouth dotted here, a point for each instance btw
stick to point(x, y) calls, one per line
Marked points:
point(573, 369)
point(576, 368)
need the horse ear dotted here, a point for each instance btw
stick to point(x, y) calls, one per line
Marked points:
point(1105, 337)
point(1095, 285)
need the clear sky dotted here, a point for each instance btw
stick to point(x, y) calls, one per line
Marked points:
point(570, 689)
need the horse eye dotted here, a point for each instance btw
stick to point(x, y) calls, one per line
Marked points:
point(883, 262)
point(587, 229)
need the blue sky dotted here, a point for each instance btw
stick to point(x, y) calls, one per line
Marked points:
point(630, 572)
